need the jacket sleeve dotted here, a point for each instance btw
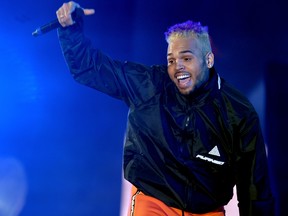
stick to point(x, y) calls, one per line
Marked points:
point(252, 179)
point(130, 82)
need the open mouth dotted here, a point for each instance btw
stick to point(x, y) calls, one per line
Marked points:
point(183, 80)
point(183, 77)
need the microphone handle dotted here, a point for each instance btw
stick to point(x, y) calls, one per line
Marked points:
point(46, 28)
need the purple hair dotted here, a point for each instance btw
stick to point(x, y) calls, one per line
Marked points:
point(190, 28)
point(187, 26)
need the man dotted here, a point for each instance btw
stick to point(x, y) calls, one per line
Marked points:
point(190, 135)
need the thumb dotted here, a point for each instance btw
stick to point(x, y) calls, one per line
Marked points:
point(88, 12)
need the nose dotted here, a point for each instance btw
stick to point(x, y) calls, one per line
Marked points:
point(179, 65)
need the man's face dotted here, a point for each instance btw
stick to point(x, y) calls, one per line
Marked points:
point(187, 66)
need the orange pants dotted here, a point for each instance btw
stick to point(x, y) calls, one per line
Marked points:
point(143, 205)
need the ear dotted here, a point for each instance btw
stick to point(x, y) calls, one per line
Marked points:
point(209, 59)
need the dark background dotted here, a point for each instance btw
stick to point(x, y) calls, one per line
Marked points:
point(61, 143)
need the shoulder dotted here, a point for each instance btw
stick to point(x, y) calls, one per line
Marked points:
point(143, 82)
point(236, 101)
point(154, 74)
point(139, 68)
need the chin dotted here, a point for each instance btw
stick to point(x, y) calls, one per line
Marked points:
point(185, 91)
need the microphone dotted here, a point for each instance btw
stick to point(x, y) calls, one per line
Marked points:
point(46, 28)
point(54, 24)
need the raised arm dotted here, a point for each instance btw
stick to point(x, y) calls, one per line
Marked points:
point(131, 82)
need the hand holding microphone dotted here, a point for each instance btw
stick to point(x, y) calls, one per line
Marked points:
point(66, 15)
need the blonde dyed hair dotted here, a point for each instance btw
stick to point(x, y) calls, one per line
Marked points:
point(190, 29)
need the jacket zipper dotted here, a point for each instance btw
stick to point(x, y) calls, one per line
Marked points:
point(187, 121)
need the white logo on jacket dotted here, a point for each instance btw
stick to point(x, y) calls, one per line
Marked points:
point(214, 152)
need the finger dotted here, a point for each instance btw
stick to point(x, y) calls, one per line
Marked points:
point(88, 11)
point(69, 8)
point(64, 14)
point(63, 19)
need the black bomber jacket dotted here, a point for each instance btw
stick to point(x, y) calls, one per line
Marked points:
point(187, 151)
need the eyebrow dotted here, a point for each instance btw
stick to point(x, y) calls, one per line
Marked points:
point(182, 52)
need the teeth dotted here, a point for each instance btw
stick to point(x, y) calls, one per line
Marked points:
point(182, 77)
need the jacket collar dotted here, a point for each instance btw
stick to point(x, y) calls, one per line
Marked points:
point(198, 97)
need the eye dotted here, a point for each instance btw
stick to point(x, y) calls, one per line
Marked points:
point(170, 61)
point(187, 59)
